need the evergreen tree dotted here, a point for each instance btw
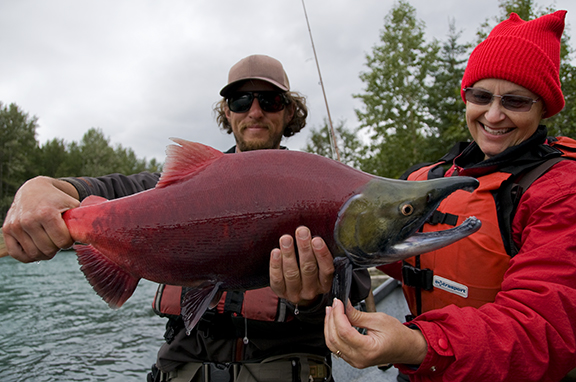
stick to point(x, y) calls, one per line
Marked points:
point(349, 146)
point(21, 158)
point(127, 162)
point(445, 103)
point(51, 158)
point(17, 148)
point(97, 155)
point(396, 114)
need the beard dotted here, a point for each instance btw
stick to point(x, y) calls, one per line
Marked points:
point(271, 142)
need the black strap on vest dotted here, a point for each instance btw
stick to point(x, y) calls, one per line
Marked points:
point(234, 301)
point(416, 277)
point(517, 191)
point(443, 218)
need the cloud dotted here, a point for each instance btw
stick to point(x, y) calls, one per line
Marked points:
point(144, 71)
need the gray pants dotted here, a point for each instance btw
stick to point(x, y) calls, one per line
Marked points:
point(305, 367)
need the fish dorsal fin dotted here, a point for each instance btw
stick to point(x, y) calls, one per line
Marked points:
point(186, 158)
point(196, 301)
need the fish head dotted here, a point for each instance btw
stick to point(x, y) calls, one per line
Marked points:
point(379, 224)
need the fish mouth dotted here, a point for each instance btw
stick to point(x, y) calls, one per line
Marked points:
point(419, 243)
point(380, 224)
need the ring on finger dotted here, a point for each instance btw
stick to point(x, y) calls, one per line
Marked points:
point(338, 354)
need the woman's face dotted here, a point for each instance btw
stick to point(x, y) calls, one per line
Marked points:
point(495, 128)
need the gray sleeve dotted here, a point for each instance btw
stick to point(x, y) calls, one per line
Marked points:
point(114, 185)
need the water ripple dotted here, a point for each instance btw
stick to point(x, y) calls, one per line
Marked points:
point(53, 326)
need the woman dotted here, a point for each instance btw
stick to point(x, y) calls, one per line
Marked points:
point(486, 315)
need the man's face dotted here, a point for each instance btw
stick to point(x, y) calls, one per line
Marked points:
point(257, 129)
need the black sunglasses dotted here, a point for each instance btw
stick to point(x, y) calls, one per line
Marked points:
point(269, 101)
point(508, 101)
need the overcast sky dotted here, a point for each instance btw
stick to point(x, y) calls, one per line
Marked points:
point(144, 70)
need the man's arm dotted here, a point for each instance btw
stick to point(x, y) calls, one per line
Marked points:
point(34, 229)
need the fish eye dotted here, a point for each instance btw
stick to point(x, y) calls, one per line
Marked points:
point(407, 209)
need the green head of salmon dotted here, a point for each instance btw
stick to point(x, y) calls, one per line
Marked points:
point(379, 225)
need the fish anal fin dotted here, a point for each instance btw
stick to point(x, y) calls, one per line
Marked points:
point(109, 280)
point(196, 301)
point(342, 280)
point(185, 159)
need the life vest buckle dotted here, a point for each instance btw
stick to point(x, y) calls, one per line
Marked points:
point(443, 218)
point(417, 278)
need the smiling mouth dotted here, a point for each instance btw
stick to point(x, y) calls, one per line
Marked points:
point(496, 131)
point(255, 126)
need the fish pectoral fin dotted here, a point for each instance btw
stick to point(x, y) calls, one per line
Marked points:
point(196, 301)
point(108, 279)
point(342, 280)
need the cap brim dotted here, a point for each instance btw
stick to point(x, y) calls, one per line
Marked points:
point(226, 90)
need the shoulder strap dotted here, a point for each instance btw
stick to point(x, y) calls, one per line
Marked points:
point(437, 172)
point(536, 173)
point(507, 199)
point(518, 190)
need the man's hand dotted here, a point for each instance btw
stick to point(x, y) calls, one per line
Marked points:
point(34, 229)
point(301, 279)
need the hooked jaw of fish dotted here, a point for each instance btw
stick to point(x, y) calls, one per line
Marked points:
point(379, 226)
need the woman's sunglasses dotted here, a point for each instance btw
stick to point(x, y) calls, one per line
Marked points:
point(270, 102)
point(508, 101)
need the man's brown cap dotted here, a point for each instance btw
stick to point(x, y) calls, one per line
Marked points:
point(256, 67)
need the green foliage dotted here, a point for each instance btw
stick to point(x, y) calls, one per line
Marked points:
point(349, 146)
point(51, 158)
point(21, 157)
point(396, 111)
point(563, 122)
point(92, 156)
point(412, 110)
point(445, 104)
point(17, 141)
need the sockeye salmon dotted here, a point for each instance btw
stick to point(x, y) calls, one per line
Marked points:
point(213, 219)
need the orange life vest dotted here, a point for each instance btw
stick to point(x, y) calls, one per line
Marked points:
point(470, 271)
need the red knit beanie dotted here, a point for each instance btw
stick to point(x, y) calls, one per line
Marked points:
point(524, 52)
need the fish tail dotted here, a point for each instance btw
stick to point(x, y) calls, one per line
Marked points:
point(110, 281)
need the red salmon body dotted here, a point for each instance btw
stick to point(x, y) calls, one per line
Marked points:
point(217, 217)
point(212, 220)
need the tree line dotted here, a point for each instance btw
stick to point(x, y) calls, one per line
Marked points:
point(22, 157)
point(411, 109)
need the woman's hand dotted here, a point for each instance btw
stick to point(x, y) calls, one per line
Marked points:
point(386, 341)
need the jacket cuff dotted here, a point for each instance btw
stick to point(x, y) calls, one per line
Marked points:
point(80, 187)
point(439, 356)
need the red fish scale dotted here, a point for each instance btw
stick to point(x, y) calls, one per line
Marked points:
point(222, 222)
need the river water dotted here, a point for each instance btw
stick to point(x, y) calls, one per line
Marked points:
point(54, 327)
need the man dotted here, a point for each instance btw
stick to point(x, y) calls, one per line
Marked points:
point(272, 333)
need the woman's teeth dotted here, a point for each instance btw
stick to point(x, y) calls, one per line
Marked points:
point(496, 131)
